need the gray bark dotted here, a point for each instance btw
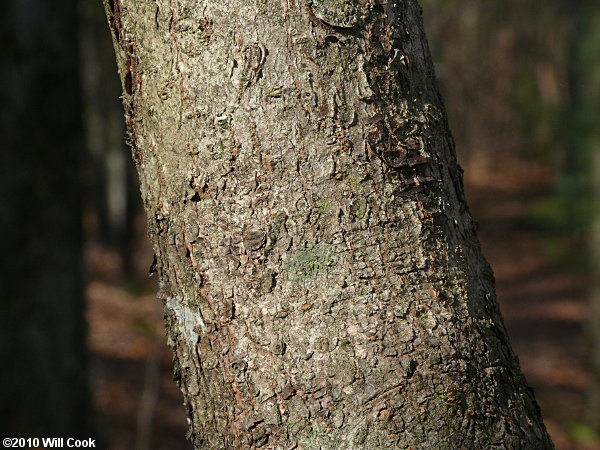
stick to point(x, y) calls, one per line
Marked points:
point(322, 281)
point(44, 388)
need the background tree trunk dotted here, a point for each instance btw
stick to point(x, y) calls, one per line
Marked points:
point(44, 379)
point(112, 200)
point(322, 282)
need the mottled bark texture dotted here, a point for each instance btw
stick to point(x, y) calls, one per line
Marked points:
point(44, 379)
point(322, 282)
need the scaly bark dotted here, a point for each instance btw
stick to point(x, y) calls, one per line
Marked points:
point(322, 282)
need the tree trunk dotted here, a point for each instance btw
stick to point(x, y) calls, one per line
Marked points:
point(44, 388)
point(322, 282)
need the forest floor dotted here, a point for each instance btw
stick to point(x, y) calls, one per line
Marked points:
point(543, 301)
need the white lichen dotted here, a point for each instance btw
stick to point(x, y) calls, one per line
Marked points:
point(189, 320)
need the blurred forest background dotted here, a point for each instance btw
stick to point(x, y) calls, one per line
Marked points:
point(521, 81)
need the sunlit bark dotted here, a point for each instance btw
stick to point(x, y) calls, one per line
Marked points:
point(322, 282)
